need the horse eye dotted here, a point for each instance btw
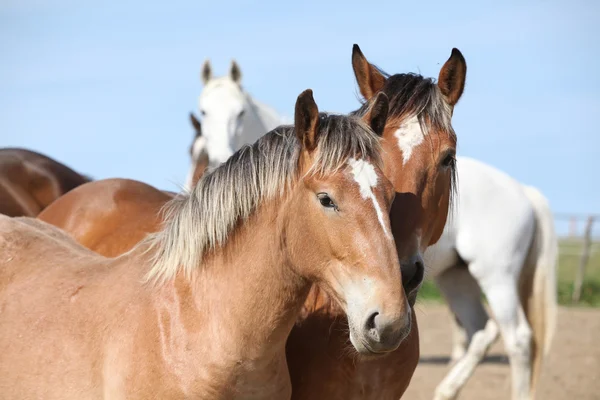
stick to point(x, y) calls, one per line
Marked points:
point(326, 201)
point(203, 112)
point(448, 160)
point(241, 114)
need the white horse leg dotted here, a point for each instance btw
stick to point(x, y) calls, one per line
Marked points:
point(460, 341)
point(460, 290)
point(503, 298)
point(464, 297)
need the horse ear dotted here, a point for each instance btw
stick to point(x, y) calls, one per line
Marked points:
point(368, 77)
point(206, 72)
point(306, 120)
point(196, 125)
point(452, 77)
point(379, 113)
point(235, 73)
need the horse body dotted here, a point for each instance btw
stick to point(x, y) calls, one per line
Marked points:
point(110, 336)
point(203, 308)
point(500, 240)
point(29, 181)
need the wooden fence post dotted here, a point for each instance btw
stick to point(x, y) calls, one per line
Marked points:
point(585, 255)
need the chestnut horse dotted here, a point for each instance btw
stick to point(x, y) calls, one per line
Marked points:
point(118, 214)
point(203, 308)
point(29, 181)
point(419, 147)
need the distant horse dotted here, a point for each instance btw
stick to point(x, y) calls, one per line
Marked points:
point(29, 181)
point(502, 241)
point(231, 118)
point(203, 308)
point(419, 145)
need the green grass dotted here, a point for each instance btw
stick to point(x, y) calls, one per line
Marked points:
point(568, 263)
point(569, 256)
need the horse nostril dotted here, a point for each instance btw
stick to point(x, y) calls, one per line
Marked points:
point(371, 326)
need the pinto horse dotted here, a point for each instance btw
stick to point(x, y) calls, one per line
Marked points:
point(419, 146)
point(203, 307)
point(29, 181)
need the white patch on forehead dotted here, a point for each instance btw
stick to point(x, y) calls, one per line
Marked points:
point(366, 177)
point(409, 136)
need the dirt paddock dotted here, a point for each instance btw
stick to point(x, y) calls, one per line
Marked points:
point(571, 371)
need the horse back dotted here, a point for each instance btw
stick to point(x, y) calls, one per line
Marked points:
point(109, 216)
point(29, 246)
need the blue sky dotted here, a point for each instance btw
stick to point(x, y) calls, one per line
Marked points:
point(107, 89)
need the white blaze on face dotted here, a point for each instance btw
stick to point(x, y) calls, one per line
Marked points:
point(409, 136)
point(366, 177)
point(221, 102)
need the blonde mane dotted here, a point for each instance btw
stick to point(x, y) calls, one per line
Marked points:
point(204, 219)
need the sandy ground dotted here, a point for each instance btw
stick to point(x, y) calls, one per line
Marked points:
point(571, 371)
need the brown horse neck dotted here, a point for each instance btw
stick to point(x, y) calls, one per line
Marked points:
point(234, 314)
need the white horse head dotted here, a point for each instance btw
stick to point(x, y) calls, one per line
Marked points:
point(230, 117)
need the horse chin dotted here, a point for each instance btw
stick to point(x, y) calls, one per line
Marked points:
point(363, 349)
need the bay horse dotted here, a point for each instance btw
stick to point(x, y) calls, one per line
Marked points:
point(419, 145)
point(203, 307)
point(501, 241)
point(29, 181)
point(231, 117)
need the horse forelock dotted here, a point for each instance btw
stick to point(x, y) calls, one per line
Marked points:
point(223, 83)
point(414, 96)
